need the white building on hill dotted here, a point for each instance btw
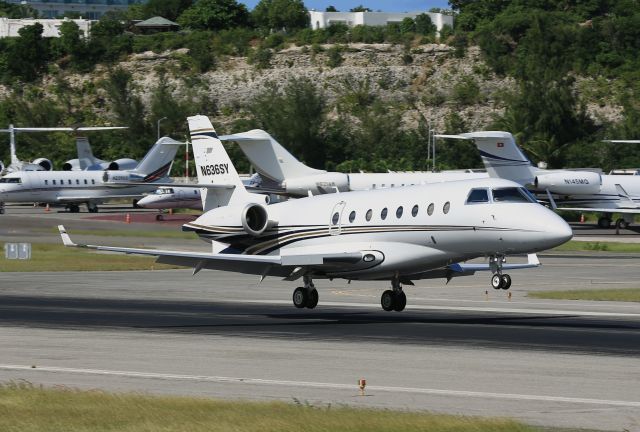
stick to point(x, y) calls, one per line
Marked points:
point(325, 19)
point(9, 27)
point(92, 9)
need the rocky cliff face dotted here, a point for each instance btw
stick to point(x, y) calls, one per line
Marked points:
point(427, 80)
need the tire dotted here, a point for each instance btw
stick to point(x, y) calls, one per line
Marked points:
point(622, 224)
point(159, 218)
point(387, 300)
point(505, 282)
point(400, 301)
point(74, 209)
point(604, 222)
point(300, 297)
point(496, 281)
point(312, 298)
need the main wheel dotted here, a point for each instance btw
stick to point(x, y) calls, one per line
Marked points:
point(300, 297)
point(505, 282)
point(604, 222)
point(496, 281)
point(622, 224)
point(312, 298)
point(74, 208)
point(387, 300)
point(400, 301)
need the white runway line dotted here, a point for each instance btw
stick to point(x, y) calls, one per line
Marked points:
point(306, 384)
point(454, 308)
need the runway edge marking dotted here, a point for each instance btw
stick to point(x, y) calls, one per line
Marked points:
point(307, 384)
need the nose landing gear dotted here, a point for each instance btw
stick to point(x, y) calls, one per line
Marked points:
point(394, 299)
point(499, 280)
point(306, 296)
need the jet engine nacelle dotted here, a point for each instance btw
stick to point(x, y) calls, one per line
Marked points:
point(122, 164)
point(570, 182)
point(255, 219)
point(46, 164)
point(318, 184)
point(71, 165)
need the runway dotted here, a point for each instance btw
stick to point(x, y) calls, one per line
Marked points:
point(455, 350)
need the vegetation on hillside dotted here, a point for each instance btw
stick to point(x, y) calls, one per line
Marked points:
point(561, 56)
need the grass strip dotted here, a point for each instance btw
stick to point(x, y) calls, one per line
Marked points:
point(56, 257)
point(577, 246)
point(26, 408)
point(614, 294)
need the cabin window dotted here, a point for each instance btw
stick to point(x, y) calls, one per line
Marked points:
point(414, 210)
point(478, 196)
point(69, 181)
point(369, 215)
point(54, 182)
point(93, 181)
point(46, 182)
point(399, 212)
point(77, 181)
point(85, 181)
point(446, 207)
point(383, 213)
point(195, 192)
point(335, 218)
point(430, 209)
point(352, 216)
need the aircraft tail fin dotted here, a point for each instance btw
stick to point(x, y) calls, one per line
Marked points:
point(268, 157)
point(501, 156)
point(156, 164)
point(214, 166)
point(85, 155)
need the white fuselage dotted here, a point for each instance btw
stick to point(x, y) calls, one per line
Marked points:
point(436, 226)
point(67, 186)
point(608, 195)
point(173, 197)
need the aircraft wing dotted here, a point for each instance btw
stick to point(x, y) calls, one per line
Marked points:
point(249, 264)
point(602, 210)
point(532, 261)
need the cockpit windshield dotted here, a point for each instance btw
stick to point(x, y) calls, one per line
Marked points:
point(164, 191)
point(10, 180)
point(477, 196)
point(512, 194)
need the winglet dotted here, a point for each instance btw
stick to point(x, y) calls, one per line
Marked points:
point(532, 259)
point(66, 240)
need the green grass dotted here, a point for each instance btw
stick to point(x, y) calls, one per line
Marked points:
point(55, 257)
point(24, 408)
point(574, 246)
point(171, 234)
point(616, 294)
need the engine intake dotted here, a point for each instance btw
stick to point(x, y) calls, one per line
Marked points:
point(255, 219)
point(570, 182)
point(46, 164)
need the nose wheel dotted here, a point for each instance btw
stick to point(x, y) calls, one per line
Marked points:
point(501, 281)
point(394, 299)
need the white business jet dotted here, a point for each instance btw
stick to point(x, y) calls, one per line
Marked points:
point(91, 187)
point(395, 234)
point(274, 162)
point(576, 190)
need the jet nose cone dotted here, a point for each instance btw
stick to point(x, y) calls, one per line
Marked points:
point(559, 232)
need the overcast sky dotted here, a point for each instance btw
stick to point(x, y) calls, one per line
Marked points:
point(383, 5)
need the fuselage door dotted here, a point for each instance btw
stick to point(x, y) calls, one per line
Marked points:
point(335, 218)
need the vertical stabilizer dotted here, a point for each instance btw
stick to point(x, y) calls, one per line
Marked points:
point(214, 167)
point(502, 157)
point(85, 155)
point(268, 157)
point(156, 164)
point(12, 146)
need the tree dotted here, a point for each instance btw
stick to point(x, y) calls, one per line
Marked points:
point(17, 11)
point(408, 25)
point(331, 9)
point(360, 8)
point(214, 15)
point(424, 26)
point(277, 15)
point(125, 104)
point(27, 56)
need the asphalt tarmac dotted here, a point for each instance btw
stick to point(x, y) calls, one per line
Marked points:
point(460, 348)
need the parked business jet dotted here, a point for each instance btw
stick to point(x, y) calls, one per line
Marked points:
point(86, 161)
point(395, 234)
point(274, 162)
point(576, 190)
point(91, 187)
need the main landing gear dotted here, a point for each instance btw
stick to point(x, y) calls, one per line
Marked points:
point(394, 299)
point(499, 280)
point(307, 296)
